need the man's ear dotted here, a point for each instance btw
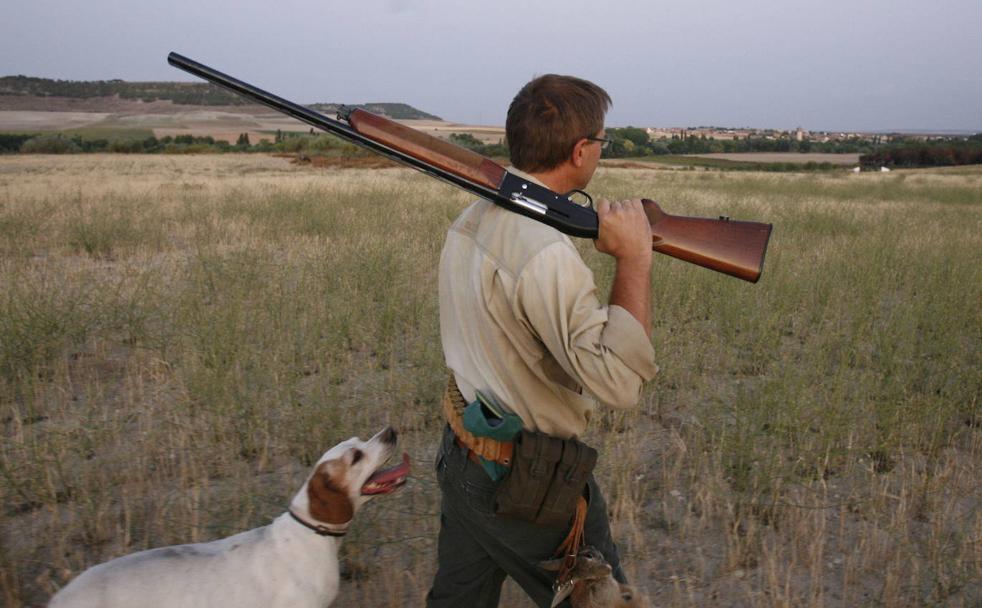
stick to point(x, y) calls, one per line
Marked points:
point(328, 494)
point(578, 157)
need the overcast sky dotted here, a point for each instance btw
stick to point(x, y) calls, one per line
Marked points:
point(830, 65)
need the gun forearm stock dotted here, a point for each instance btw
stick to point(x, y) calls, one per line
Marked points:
point(456, 159)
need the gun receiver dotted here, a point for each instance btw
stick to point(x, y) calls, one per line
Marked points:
point(730, 247)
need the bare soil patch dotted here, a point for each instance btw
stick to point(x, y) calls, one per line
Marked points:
point(615, 164)
point(785, 157)
point(340, 162)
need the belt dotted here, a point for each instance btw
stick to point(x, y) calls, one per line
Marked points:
point(471, 455)
point(485, 447)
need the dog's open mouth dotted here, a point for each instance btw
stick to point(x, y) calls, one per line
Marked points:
point(387, 480)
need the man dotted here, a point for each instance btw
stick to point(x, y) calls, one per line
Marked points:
point(520, 320)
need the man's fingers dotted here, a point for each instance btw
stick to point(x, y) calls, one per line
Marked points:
point(603, 206)
point(624, 229)
point(621, 209)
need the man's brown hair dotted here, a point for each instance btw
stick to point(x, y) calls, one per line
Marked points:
point(548, 116)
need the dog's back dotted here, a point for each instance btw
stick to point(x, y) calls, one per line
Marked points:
point(290, 563)
point(203, 575)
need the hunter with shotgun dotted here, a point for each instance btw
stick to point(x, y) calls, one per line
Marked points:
point(521, 323)
point(528, 344)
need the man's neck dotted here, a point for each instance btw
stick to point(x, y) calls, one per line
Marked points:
point(560, 179)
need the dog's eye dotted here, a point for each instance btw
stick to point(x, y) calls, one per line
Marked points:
point(356, 456)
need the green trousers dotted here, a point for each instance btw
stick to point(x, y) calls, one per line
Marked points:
point(477, 549)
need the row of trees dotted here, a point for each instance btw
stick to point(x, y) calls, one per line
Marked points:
point(627, 142)
point(632, 142)
point(309, 143)
point(927, 154)
point(635, 142)
point(498, 150)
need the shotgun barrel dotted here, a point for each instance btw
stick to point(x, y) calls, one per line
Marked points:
point(318, 120)
point(732, 247)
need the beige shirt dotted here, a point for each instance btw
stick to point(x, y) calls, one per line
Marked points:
point(521, 320)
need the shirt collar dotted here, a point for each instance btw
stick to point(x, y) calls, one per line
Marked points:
point(525, 176)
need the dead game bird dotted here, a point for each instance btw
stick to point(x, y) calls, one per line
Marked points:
point(591, 584)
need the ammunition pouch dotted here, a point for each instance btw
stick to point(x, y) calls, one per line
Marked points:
point(546, 478)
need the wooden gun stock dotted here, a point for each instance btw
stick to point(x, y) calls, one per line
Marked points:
point(727, 246)
point(734, 248)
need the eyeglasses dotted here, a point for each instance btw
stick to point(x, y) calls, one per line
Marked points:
point(604, 142)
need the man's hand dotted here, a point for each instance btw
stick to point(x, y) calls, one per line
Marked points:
point(624, 231)
point(626, 234)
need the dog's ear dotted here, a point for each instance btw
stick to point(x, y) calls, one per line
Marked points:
point(328, 494)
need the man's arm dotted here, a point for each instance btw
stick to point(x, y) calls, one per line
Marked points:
point(604, 349)
point(625, 234)
point(599, 347)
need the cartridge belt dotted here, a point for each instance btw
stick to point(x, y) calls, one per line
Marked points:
point(485, 447)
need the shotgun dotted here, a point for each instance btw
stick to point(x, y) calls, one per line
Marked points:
point(735, 248)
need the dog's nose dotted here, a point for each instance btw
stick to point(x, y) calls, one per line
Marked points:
point(389, 435)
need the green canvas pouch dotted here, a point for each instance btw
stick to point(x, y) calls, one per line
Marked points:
point(485, 417)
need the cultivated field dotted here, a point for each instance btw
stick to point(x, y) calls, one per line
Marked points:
point(224, 122)
point(180, 337)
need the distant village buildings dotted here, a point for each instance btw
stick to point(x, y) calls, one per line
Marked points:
point(708, 132)
point(798, 134)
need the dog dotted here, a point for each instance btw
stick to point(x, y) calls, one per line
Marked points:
point(291, 562)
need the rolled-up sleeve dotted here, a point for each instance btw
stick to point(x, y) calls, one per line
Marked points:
point(602, 348)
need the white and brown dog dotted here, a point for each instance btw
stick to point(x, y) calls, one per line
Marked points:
point(291, 562)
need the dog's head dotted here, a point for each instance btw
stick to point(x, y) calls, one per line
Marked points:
point(346, 477)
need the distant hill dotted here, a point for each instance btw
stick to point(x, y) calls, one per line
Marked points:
point(397, 111)
point(188, 93)
point(183, 93)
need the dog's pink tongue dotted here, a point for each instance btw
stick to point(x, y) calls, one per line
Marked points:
point(387, 480)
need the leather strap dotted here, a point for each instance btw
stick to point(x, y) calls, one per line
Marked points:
point(573, 543)
point(320, 528)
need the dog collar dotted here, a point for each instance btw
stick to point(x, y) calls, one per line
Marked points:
point(320, 528)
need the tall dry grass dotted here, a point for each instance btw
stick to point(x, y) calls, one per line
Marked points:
point(180, 338)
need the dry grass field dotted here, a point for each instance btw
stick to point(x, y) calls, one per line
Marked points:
point(180, 338)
